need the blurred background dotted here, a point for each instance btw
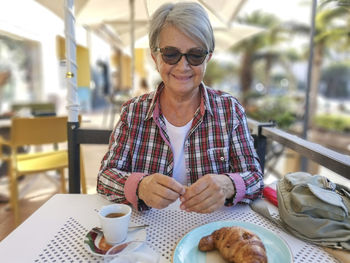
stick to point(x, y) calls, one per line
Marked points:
point(261, 58)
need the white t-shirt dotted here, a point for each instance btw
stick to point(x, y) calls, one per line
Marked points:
point(177, 137)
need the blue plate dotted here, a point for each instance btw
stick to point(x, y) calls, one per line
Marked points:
point(187, 251)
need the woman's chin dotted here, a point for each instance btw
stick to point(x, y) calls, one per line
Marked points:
point(184, 84)
point(184, 89)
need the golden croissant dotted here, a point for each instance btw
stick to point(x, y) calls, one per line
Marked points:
point(235, 244)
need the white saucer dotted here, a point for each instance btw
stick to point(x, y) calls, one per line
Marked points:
point(94, 237)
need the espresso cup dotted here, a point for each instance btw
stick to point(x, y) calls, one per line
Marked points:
point(114, 221)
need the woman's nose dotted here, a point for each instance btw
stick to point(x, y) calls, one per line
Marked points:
point(183, 63)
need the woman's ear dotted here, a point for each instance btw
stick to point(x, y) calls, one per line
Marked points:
point(154, 57)
point(155, 60)
point(209, 56)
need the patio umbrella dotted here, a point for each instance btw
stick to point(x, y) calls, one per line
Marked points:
point(224, 37)
point(221, 14)
point(97, 11)
point(72, 89)
point(94, 11)
point(130, 23)
point(129, 20)
point(125, 21)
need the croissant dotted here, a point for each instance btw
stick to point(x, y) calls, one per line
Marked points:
point(235, 244)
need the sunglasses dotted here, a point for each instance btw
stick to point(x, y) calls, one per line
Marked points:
point(172, 55)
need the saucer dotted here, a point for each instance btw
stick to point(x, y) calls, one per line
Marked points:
point(95, 243)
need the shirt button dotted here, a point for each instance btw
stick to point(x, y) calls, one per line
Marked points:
point(222, 158)
point(188, 170)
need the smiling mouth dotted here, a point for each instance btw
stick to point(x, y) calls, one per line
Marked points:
point(182, 78)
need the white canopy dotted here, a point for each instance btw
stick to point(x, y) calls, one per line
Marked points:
point(128, 20)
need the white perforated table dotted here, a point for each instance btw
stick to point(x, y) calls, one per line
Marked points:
point(55, 232)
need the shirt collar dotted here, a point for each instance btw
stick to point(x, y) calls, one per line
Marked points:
point(154, 109)
point(205, 105)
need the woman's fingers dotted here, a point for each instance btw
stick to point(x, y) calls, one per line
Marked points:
point(199, 186)
point(157, 201)
point(203, 201)
point(206, 194)
point(158, 190)
point(171, 184)
point(165, 192)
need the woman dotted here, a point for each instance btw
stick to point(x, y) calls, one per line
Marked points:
point(184, 140)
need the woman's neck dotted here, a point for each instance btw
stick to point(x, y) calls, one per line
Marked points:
point(179, 110)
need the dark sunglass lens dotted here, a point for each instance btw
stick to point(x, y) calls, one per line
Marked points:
point(170, 55)
point(196, 56)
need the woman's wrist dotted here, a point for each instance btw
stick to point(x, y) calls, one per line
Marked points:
point(139, 190)
point(229, 188)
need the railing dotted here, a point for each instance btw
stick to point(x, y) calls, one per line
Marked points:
point(337, 162)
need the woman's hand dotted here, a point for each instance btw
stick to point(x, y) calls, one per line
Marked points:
point(207, 194)
point(159, 191)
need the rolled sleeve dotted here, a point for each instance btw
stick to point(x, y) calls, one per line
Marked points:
point(130, 188)
point(240, 187)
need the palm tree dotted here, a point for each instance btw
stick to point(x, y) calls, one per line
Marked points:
point(332, 29)
point(217, 72)
point(284, 59)
point(344, 3)
point(328, 33)
point(249, 48)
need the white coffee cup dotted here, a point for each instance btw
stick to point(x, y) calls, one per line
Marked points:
point(115, 229)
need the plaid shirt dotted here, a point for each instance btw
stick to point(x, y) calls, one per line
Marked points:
point(218, 142)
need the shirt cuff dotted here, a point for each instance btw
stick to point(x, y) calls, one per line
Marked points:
point(239, 187)
point(130, 188)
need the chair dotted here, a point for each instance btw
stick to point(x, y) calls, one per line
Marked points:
point(35, 132)
point(260, 141)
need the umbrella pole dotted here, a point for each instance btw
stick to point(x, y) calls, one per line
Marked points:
point(132, 46)
point(304, 162)
point(72, 98)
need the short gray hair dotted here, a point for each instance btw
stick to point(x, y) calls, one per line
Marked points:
point(188, 17)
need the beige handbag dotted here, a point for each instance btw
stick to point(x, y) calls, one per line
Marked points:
point(315, 209)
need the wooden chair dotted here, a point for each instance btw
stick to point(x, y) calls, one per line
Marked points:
point(37, 131)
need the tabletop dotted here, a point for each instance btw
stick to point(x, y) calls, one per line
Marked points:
point(55, 232)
